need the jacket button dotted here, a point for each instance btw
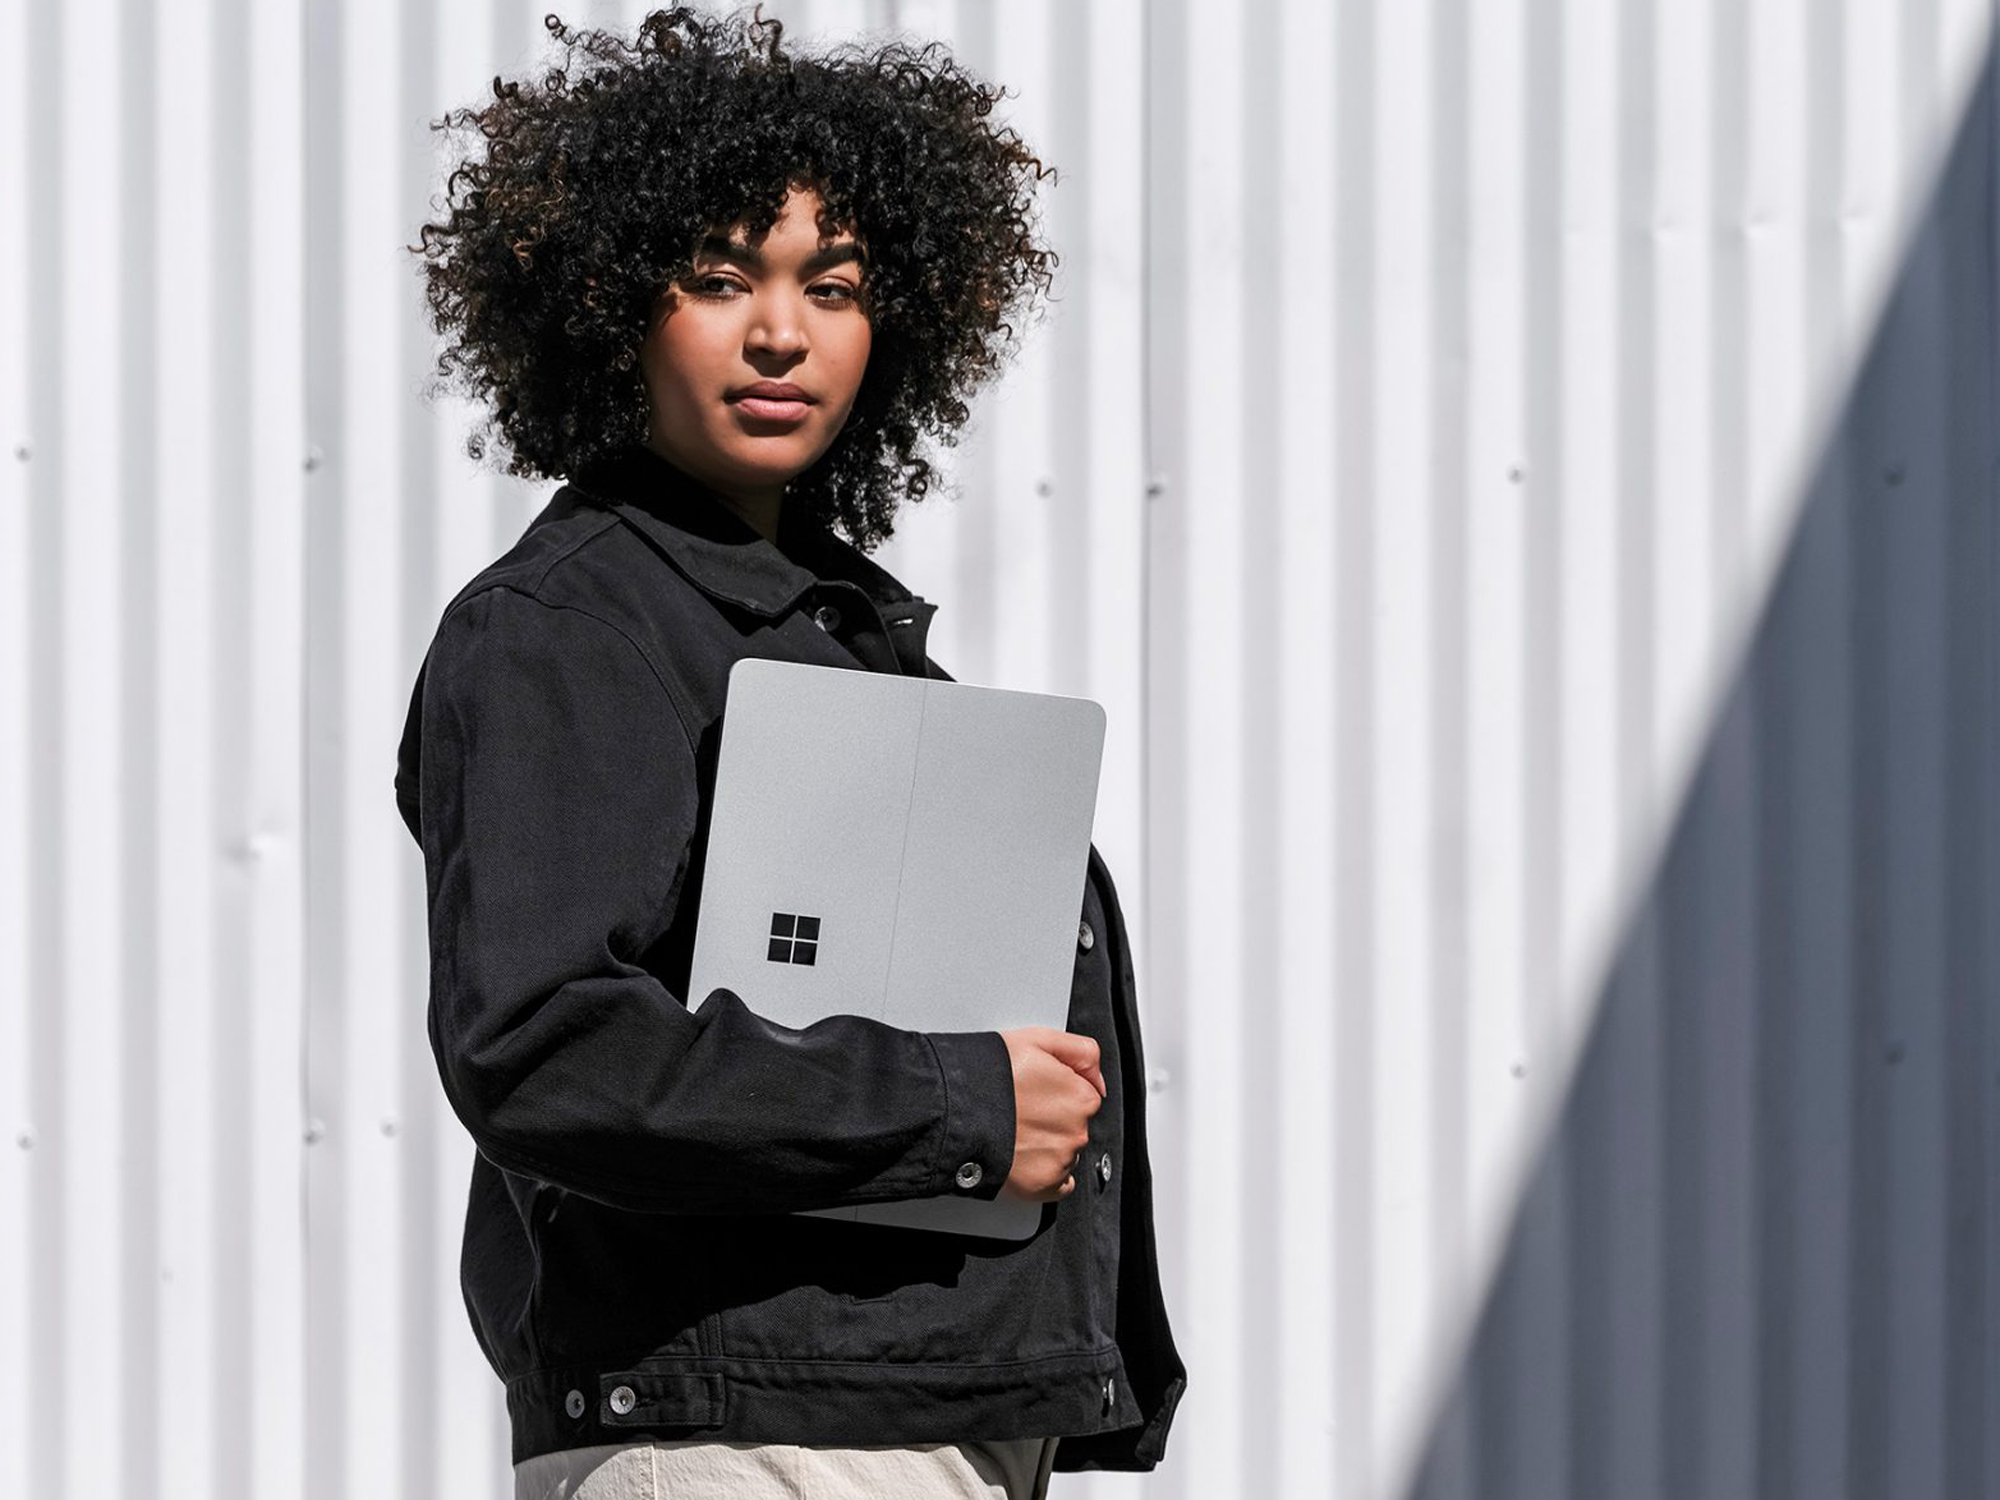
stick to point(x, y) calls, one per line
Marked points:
point(622, 1400)
point(1104, 1167)
point(573, 1403)
point(826, 617)
point(1085, 938)
point(969, 1175)
point(1110, 1392)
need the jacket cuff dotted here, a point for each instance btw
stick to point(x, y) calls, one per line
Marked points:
point(977, 1151)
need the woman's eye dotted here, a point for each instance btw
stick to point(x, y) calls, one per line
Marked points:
point(719, 285)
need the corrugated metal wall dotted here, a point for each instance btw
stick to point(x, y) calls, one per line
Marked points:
point(1541, 582)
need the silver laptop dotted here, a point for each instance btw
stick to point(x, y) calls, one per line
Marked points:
point(904, 848)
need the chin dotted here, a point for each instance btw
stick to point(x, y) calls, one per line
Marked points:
point(766, 472)
point(776, 463)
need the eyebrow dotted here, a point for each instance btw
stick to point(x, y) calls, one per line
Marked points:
point(749, 255)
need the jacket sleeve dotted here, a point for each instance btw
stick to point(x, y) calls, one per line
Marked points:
point(558, 807)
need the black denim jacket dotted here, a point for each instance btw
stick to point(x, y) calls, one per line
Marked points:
point(628, 1262)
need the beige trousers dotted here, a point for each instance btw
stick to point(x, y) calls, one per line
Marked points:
point(692, 1470)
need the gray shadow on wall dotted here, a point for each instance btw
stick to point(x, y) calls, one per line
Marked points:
point(1758, 1255)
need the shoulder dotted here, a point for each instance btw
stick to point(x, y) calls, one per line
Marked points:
point(575, 554)
point(577, 595)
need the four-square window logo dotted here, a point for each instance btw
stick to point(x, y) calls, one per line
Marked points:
point(794, 939)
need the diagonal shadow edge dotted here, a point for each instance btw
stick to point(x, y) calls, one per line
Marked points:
point(1752, 1254)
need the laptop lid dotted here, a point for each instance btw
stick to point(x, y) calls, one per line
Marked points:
point(904, 848)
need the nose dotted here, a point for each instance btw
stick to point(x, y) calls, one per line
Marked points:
point(778, 327)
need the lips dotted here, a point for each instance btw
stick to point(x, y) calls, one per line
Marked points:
point(775, 411)
point(772, 390)
point(772, 400)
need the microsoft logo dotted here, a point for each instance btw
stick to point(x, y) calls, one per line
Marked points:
point(794, 939)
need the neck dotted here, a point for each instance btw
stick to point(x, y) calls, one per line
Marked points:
point(759, 506)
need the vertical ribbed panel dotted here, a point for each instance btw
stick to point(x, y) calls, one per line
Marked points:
point(23, 836)
point(1520, 476)
point(152, 1252)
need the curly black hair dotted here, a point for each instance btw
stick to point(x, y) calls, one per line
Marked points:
point(598, 182)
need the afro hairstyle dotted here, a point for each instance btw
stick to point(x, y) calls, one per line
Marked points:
point(584, 195)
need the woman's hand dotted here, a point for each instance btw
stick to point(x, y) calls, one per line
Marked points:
point(1058, 1086)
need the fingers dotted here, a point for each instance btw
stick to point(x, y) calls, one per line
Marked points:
point(1067, 1186)
point(1046, 1195)
point(1079, 1051)
point(1049, 1113)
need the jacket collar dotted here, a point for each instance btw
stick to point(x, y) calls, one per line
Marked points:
point(724, 555)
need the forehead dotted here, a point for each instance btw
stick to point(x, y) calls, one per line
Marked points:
point(798, 219)
point(736, 246)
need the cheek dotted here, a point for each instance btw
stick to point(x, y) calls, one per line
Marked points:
point(851, 355)
point(686, 356)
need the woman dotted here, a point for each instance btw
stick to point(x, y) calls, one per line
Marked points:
point(725, 292)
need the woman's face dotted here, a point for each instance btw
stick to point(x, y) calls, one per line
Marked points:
point(785, 311)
